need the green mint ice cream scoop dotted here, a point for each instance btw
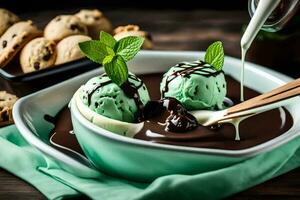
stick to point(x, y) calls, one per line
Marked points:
point(106, 98)
point(197, 85)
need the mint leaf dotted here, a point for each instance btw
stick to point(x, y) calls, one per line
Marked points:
point(110, 51)
point(215, 55)
point(108, 59)
point(128, 47)
point(117, 70)
point(110, 56)
point(107, 39)
point(94, 50)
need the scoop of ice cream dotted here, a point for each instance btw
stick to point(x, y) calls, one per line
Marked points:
point(197, 85)
point(106, 98)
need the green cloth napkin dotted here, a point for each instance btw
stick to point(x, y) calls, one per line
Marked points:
point(18, 157)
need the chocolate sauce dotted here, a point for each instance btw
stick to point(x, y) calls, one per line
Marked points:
point(50, 119)
point(255, 130)
point(170, 114)
point(186, 69)
point(62, 135)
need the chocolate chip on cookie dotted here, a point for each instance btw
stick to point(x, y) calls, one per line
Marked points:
point(4, 44)
point(48, 54)
point(36, 65)
point(16, 46)
point(77, 27)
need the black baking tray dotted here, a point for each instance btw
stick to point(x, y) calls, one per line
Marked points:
point(15, 81)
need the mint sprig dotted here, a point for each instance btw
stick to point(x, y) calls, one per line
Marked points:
point(112, 54)
point(215, 55)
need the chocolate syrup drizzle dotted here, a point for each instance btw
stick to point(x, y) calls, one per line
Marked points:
point(90, 92)
point(198, 67)
point(128, 88)
point(131, 91)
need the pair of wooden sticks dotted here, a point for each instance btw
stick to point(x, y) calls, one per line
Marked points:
point(285, 92)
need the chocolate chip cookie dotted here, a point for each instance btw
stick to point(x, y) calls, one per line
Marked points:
point(95, 22)
point(63, 26)
point(133, 30)
point(6, 104)
point(38, 54)
point(15, 38)
point(7, 20)
point(68, 49)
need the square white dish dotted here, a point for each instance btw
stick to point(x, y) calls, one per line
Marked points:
point(29, 111)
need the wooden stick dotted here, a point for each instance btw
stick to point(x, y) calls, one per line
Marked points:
point(288, 90)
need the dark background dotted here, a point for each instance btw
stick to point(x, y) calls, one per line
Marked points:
point(180, 25)
point(32, 5)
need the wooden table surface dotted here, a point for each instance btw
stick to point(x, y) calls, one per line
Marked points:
point(174, 30)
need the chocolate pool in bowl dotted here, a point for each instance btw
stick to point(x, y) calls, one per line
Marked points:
point(255, 130)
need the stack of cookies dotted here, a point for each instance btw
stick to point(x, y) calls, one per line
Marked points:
point(58, 43)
